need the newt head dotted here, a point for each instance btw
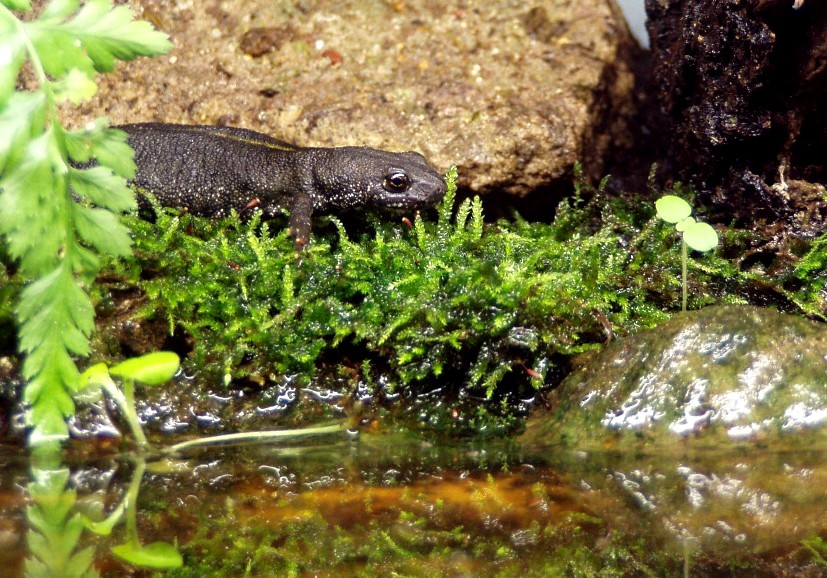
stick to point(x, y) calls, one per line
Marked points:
point(373, 178)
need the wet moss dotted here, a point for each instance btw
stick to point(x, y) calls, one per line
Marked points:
point(461, 318)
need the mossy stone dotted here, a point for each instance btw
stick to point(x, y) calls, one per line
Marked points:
point(721, 374)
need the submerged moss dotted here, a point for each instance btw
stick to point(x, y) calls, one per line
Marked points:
point(464, 522)
point(413, 548)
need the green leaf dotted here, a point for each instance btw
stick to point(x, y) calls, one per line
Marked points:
point(108, 33)
point(39, 546)
point(684, 225)
point(32, 190)
point(150, 369)
point(35, 568)
point(701, 237)
point(93, 39)
point(672, 209)
point(48, 416)
point(56, 318)
point(158, 555)
point(81, 562)
point(108, 146)
point(85, 264)
point(94, 377)
point(54, 311)
point(91, 383)
point(76, 87)
point(58, 50)
point(103, 187)
point(53, 508)
point(63, 542)
point(104, 527)
point(49, 370)
point(17, 4)
point(103, 230)
point(58, 9)
point(22, 116)
point(12, 55)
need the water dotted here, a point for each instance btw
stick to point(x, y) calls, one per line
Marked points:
point(396, 503)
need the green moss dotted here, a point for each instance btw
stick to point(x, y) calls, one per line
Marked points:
point(479, 315)
point(412, 545)
point(10, 286)
point(809, 279)
point(817, 548)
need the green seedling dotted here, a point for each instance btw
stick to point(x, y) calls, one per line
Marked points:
point(695, 235)
point(151, 369)
point(156, 369)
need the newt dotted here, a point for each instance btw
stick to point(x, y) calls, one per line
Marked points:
point(209, 170)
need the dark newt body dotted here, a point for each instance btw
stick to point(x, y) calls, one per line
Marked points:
point(210, 170)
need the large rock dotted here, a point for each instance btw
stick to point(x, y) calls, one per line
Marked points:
point(512, 93)
point(742, 86)
point(710, 430)
point(719, 375)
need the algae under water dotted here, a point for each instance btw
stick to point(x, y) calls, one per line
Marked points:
point(398, 504)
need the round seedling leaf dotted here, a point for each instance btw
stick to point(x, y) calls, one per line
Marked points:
point(158, 555)
point(91, 382)
point(672, 209)
point(150, 369)
point(684, 225)
point(701, 237)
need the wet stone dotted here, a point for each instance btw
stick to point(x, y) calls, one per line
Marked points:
point(722, 374)
point(708, 430)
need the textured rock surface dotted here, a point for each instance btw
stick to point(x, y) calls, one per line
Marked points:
point(713, 376)
point(711, 428)
point(513, 93)
point(742, 87)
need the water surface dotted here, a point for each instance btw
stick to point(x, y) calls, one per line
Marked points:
point(398, 504)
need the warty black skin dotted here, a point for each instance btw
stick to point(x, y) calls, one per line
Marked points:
point(210, 170)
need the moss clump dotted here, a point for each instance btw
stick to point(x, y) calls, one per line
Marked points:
point(481, 315)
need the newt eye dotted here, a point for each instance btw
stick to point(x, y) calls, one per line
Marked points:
point(396, 181)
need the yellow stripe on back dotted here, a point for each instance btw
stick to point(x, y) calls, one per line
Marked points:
point(249, 137)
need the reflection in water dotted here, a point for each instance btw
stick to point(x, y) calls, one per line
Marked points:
point(395, 503)
point(54, 526)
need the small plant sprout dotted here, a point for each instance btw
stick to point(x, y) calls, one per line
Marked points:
point(151, 369)
point(698, 236)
